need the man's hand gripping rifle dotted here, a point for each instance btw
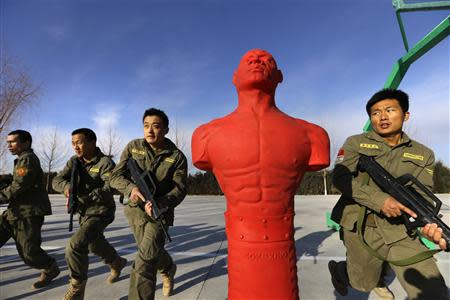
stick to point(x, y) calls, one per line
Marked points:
point(427, 211)
point(147, 187)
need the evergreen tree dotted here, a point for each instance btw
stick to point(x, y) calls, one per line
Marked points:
point(441, 178)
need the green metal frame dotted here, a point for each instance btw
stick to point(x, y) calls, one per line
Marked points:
point(433, 38)
point(400, 6)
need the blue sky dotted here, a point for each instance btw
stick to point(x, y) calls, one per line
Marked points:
point(102, 63)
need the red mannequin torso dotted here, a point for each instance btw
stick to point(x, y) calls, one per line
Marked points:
point(259, 156)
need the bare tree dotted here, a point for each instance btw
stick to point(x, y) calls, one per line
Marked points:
point(52, 152)
point(110, 143)
point(17, 91)
point(334, 150)
point(179, 137)
point(3, 160)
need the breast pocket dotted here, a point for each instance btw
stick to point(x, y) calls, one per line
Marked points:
point(371, 152)
point(412, 164)
point(164, 170)
point(140, 160)
point(94, 173)
point(94, 179)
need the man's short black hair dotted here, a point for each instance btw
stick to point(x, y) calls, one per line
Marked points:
point(23, 135)
point(157, 112)
point(384, 94)
point(89, 134)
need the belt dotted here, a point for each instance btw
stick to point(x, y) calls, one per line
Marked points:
point(259, 228)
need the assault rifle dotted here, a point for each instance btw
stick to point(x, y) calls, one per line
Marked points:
point(72, 204)
point(427, 211)
point(147, 187)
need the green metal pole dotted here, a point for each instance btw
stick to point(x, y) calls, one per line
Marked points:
point(401, 6)
point(402, 30)
point(401, 66)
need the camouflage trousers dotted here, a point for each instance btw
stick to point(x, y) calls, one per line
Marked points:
point(421, 280)
point(26, 233)
point(151, 255)
point(88, 238)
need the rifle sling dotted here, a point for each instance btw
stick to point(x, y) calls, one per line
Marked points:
point(402, 262)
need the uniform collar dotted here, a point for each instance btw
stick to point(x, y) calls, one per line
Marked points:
point(405, 140)
point(168, 148)
point(25, 152)
point(97, 155)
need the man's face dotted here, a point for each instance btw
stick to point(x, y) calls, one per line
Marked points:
point(387, 117)
point(257, 69)
point(82, 147)
point(154, 131)
point(15, 146)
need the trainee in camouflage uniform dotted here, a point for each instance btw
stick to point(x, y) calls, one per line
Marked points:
point(28, 203)
point(168, 166)
point(96, 208)
point(384, 229)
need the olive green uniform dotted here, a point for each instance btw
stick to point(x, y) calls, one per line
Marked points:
point(28, 203)
point(388, 236)
point(96, 210)
point(169, 169)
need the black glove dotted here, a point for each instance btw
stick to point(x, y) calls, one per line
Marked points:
point(96, 196)
point(3, 199)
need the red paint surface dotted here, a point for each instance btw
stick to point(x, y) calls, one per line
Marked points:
point(259, 155)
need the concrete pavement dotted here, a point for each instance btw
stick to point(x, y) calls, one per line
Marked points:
point(199, 248)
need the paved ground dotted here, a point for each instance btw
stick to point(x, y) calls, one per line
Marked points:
point(199, 248)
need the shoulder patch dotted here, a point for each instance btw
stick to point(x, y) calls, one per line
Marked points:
point(21, 171)
point(137, 151)
point(170, 160)
point(413, 156)
point(370, 146)
point(94, 170)
point(340, 155)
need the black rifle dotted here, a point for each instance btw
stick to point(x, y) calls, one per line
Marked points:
point(72, 203)
point(147, 187)
point(427, 211)
point(5, 181)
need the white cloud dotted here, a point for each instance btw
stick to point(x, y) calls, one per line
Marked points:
point(170, 77)
point(111, 138)
point(106, 117)
point(57, 31)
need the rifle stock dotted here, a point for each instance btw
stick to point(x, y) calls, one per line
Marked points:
point(72, 204)
point(4, 182)
point(147, 187)
point(427, 209)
